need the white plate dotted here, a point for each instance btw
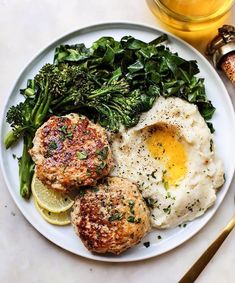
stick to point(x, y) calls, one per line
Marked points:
point(223, 121)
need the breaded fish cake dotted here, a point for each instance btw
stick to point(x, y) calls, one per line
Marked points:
point(111, 217)
point(71, 151)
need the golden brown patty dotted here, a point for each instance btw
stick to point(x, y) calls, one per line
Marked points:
point(111, 217)
point(70, 151)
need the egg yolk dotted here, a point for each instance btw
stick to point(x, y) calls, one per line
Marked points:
point(165, 146)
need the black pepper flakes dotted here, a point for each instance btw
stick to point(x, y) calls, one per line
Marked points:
point(146, 244)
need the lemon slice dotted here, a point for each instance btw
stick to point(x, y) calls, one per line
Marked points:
point(51, 200)
point(61, 218)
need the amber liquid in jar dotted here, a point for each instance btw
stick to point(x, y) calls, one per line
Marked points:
point(190, 15)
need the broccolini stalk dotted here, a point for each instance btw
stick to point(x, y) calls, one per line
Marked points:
point(26, 168)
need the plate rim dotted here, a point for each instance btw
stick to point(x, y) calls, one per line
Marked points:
point(84, 30)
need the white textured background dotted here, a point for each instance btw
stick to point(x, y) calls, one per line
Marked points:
point(27, 26)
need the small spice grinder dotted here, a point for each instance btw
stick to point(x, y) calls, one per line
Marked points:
point(222, 51)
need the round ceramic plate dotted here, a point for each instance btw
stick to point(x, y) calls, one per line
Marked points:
point(223, 121)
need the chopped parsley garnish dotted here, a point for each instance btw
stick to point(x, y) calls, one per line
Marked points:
point(167, 209)
point(69, 135)
point(132, 219)
point(116, 216)
point(102, 153)
point(131, 204)
point(146, 244)
point(14, 156)
point(168, 195)
point(81, 155)
point(165, 184)
point(159, 237)
point(65, 133)
point(150, 202)
point(100, 167)
point(63, 129)
point(52, 145)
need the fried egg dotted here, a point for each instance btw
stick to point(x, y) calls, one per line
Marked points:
point(171, 155)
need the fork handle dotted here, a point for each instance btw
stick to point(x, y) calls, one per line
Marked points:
point(203, 260)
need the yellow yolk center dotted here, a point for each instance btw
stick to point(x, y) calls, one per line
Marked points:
point(164, 146)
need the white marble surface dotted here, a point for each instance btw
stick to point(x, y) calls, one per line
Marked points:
point(26, 27)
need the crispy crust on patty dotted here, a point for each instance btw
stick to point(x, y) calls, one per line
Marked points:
point(71, 151)
point(111, 217)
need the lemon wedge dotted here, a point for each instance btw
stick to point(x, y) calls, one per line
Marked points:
point(48, 199)
point(61, 218)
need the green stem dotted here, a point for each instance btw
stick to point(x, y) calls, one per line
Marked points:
point(43, 109)
point(100, 92)
point(63, 102)
point(13, 136)
point(26, 168)
point(37, 105)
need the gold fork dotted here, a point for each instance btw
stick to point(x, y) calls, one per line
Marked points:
point(203, 260)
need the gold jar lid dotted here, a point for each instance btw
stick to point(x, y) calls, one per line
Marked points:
point(222, 44)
